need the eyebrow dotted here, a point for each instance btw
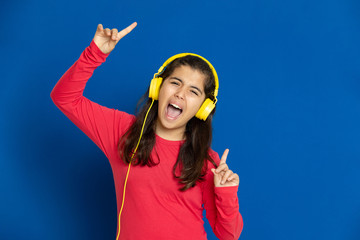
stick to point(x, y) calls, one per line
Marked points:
point(190, 86)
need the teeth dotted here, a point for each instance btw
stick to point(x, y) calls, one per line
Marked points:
point(176, 106)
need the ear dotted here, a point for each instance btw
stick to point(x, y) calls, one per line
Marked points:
point(205, 109)
point(155, 88)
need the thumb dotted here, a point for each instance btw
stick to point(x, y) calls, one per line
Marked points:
point(100, 30)
point(213, 170)
point(100, 27)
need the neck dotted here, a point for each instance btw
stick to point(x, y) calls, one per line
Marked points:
point(170, 134)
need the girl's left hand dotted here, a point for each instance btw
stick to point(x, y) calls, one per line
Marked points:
point(223, 176)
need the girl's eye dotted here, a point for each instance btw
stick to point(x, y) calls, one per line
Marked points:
point(194, 92)
point(176, 83)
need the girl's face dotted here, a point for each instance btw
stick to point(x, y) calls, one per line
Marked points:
point(180, 97)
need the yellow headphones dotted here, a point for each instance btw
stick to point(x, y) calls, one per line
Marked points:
point(207, 106)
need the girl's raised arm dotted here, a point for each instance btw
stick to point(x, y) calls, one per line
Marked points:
point(102, 125)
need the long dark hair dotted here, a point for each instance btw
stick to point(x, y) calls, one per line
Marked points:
point(194, 152)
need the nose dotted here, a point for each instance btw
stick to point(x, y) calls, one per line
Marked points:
point(180, 93)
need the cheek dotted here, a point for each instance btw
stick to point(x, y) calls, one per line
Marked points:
point(162, 100)
point(197, 104)
point(161, 95)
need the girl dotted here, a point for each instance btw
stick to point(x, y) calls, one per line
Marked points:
point(175, 174)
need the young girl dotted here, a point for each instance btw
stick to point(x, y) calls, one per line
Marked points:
point(174, 174)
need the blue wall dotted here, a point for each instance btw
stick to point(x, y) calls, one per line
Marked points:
point(289, 110)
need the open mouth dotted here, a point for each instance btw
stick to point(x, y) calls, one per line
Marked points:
point(173, 111)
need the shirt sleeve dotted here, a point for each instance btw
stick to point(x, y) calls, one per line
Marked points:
point(102, 125)
point(222, 207)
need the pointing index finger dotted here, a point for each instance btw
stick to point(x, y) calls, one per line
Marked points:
point(224, 156)
point(125, 31)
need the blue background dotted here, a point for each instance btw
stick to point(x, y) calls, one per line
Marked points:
point(288, 110)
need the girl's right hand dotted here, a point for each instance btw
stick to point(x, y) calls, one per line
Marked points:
point(106, 39)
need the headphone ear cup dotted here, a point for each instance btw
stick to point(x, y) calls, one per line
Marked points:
point(205, 109)
point(155, 88)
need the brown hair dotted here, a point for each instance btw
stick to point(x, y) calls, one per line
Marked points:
point(194, 152)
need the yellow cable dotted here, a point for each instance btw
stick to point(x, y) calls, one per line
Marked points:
point(122, 204)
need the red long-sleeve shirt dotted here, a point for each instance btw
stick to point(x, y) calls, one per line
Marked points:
point(154, 208)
